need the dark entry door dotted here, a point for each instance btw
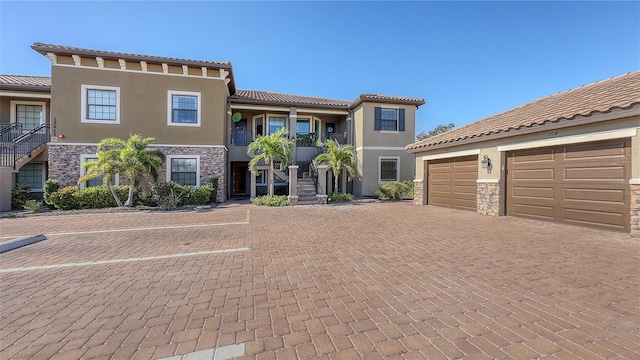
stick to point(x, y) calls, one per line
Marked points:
point(239, 178)
point(329, 128)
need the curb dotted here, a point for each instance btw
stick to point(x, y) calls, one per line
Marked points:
point(20, 242)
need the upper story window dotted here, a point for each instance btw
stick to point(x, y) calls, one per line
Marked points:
point(100, 104)
point(303, 126)
point(388, 169)
point(276, 123)
point(389, 119)
point(29, 114)
point(183, 108)
point(258, 125)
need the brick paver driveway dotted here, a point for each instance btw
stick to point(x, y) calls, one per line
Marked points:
point(371, 281)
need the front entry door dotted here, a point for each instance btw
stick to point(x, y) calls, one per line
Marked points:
point(329, 130)
point(239, 178)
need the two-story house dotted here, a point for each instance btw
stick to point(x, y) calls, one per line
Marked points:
point(200, 121)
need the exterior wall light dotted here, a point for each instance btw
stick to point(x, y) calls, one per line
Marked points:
point(486, 162)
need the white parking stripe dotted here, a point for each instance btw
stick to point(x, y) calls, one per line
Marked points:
point(133, 229)
point(118, 261)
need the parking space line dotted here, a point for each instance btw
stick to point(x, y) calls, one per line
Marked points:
point(133, 229)
point(119, 261)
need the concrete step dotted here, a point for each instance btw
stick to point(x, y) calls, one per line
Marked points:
point(308, 202)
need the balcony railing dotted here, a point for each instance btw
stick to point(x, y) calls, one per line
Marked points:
point(11, 152)
point(341, 138)
point(241, 138)
point(306, 140)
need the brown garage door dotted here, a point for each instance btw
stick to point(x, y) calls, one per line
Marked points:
point(452, 182)
point(585, 184)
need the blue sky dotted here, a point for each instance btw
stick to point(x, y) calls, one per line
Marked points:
point(468, 60)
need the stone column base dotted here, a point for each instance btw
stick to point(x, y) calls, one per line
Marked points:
point(488, 197)
point(635, 209)
point(418, 187)
point(322, 199)
point(293, 200)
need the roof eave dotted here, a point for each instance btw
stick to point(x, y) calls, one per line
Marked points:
point(416, 103)
point(29, 88)
point(286, 103)
point(43, 50)
point(548, 125)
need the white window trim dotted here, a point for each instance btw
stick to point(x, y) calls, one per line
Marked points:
point(84, 116)
point(254, 124)
point(13, 117)
point(264, 178)
point(83, 170)
point(170, 94)
point(268, 121)
point(168, 166)
point(44, 176)
point(380, 158)
point(305, 118)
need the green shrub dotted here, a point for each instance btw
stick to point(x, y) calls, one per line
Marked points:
point(64, 199)
point(200, 196)
point(50, 186)
point(32, 205)
point(170, 200)
point(396, 190)
point(214, 182)
point(19, 195)
point(336, 198)
point(268, 200)
point(96, 197)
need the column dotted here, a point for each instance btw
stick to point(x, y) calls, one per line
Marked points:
point(322, 184)
point(253, 185)
point(293, 184)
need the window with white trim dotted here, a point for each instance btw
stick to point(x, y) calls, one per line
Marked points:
point(184, 169)
point(32, 175)
point(30, 114)
point(183, 108)
point(100, 104)
point(276, 123)
point(388, 169)
point(95, 181)
point(261, 177)
point(258, 125)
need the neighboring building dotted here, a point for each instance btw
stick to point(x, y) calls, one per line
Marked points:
point(199, 119)
point(572, 157)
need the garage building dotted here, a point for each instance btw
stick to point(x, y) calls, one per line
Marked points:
point(572, 157)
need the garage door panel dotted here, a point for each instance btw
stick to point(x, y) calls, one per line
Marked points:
point(604, 150)
point(452, 182)
point(612, 220)
point(533, 192)
point(594, 173)
point(533, 211)
point(587, 184)
point(531, 174)
point(602, 196)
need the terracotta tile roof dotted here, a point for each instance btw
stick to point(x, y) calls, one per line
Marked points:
point(386, 99)
point(21, 82)
point(275, 98)
point(70, 50)
point(621, 92)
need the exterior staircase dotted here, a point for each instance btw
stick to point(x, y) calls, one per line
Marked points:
point(307, 192)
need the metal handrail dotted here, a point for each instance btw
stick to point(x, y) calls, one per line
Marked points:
point(22, 146)
point(8, 133)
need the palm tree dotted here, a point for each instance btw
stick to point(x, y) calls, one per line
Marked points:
point(134, 158)
point(269, 148)
point(337, 158)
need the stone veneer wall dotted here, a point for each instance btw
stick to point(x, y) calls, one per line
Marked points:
point(64, 163)
point(635, 209)
point(418, 186)
point(488, 197)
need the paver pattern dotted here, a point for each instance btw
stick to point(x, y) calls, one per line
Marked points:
point(370, 281)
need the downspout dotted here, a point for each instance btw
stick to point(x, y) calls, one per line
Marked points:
point(227, 130)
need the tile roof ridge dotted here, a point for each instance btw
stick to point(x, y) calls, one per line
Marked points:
point(30, 76)
point(296, 95)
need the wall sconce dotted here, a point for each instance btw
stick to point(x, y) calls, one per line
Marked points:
point(486, 162)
